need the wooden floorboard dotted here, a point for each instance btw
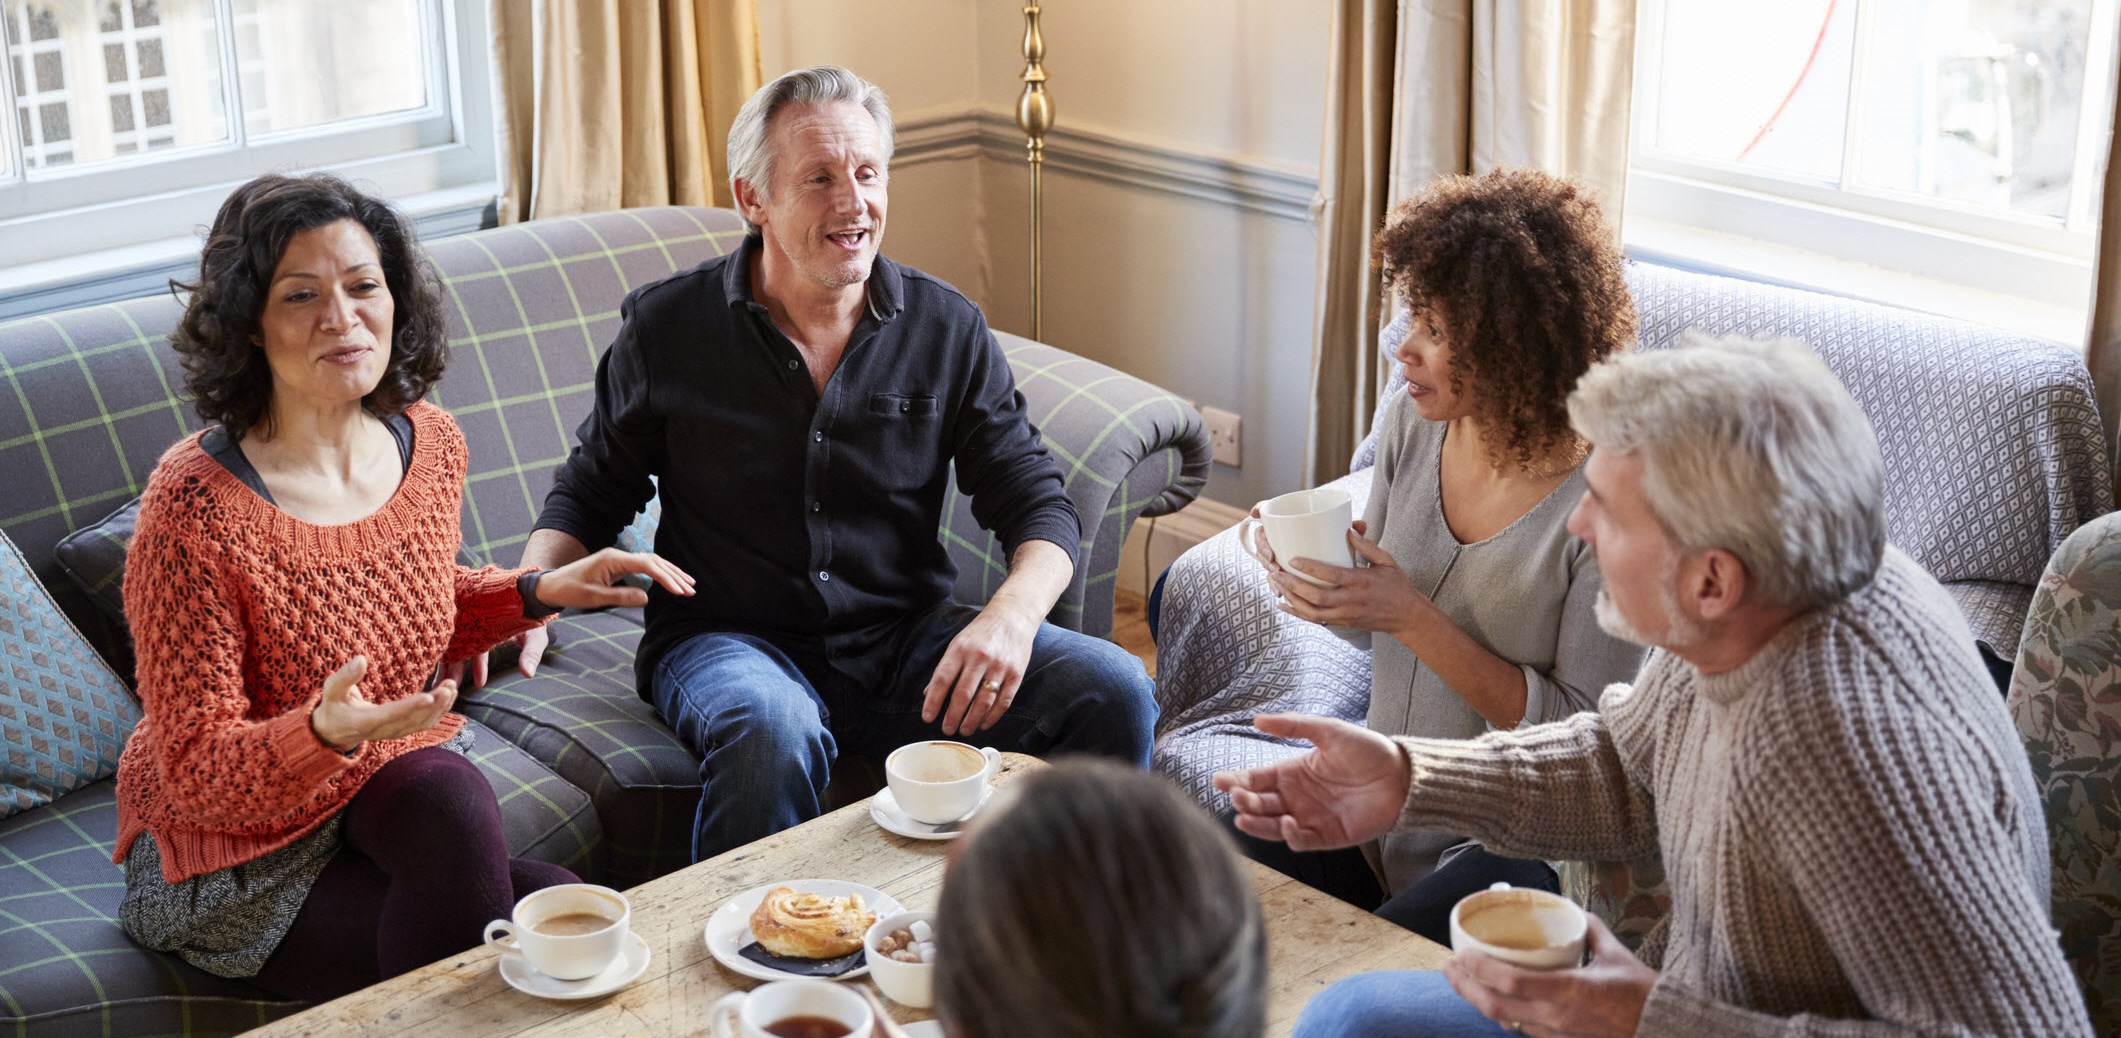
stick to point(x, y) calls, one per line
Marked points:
point(1130, 628)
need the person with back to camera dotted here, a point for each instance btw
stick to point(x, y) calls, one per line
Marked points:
point(1477, 602)
point(1098, 900)
point(296, 806)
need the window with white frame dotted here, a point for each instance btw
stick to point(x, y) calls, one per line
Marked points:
point(1957, 141)
point(127, 121)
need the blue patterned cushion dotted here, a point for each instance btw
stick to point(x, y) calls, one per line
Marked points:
point(64, 716)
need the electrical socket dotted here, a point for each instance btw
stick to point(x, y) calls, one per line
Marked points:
point(1224, 432)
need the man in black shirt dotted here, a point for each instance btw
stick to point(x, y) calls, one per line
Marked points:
point(800, 401)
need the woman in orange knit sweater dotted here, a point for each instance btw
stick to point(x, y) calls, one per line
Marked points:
point(297, 806)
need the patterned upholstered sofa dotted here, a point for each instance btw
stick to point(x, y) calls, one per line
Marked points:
point(586, 775)
point(1993, 455)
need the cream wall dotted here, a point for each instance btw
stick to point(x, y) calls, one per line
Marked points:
point(1177, 246)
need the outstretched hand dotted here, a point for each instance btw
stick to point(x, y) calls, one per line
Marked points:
point(588, 582)
point(1347, 790)
point(345, 718)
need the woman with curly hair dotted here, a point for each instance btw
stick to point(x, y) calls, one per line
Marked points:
point(1477, 603)
point(297, 807)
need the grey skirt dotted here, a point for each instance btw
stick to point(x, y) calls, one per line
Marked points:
point(229, 921)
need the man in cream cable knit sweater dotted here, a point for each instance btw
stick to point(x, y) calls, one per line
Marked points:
point(1843, 810)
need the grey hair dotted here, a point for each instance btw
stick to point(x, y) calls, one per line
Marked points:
point(1751, 446)
point(751, 150)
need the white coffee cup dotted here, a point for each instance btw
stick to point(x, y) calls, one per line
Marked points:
point(1531, 928)
point(1305, 524)
point(939, 781)
point(547, 929)
point(747, 1014)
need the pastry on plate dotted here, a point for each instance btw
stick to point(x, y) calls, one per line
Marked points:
point(810, 926)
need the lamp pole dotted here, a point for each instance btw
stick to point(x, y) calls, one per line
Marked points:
point(1034, 115)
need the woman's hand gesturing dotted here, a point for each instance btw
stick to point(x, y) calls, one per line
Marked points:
point(586, 583)
point(344, 718)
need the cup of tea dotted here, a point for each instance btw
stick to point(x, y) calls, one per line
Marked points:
point(568, 932)
point(938, 781)
point(1531, 928)
point(1305, 524)
point(792, 1009)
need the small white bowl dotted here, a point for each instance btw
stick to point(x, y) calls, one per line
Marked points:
point(910, 984)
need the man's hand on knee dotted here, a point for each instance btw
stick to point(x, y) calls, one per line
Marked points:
point(980, 672)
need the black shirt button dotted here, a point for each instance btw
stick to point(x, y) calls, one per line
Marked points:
point(905, 405)
point(816, 507)
point(819, 437)
point(794, 364)
point(824, 576)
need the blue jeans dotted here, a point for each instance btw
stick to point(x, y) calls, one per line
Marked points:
point(767, 726)
point(1400, 1004)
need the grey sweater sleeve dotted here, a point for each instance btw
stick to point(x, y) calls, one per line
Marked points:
point(1554, 791)
point(1586, 659)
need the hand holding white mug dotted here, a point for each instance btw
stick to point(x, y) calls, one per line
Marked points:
point(1306, 524)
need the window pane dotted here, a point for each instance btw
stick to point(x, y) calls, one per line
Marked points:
point(324, 62)
point(1976, 100)
point(1763, 84)
point(106, 78)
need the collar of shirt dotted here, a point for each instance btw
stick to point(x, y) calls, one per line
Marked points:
point(884, 289)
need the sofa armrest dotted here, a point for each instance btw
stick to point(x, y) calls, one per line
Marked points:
point(1125, 448)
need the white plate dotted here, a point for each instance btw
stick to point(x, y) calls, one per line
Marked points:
point(923, 1029)
point(623, 970)
point(884, 810)
point(729, 928)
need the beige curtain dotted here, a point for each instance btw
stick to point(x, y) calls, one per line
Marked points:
point(607, 105)
point(2102, 347)
point(1420, 88)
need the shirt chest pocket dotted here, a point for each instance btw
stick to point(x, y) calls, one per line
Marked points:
point(902, 405)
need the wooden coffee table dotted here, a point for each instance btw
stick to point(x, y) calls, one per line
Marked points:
point(1312, 940)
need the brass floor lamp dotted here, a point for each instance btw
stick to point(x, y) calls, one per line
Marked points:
point(1034, 115)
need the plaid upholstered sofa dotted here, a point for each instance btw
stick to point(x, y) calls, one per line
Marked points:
point(586, 775)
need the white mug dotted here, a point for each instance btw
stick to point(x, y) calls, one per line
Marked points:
point(565, 956)
point(747, 1014)
point(1542, 931)
point(1304, 524)
point(939, 781)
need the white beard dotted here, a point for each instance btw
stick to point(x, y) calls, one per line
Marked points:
point(1679, 631)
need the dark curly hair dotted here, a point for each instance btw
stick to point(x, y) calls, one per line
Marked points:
point(225, 371)
point(1525, 276)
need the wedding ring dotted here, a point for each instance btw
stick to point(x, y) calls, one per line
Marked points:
point(1514, 1027)
point(991, 685)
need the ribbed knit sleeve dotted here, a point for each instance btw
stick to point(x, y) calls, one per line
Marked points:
point(489, 610)
point(222, 769)
point(1549, 791)
point(1893, 818)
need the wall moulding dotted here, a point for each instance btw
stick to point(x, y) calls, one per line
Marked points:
point(1270, 188)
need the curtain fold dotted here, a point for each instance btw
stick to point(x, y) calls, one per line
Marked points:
point(614, 105)
point(2102, 346)
point(1421, 88)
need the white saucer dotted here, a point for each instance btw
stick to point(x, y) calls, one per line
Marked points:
point(623, 970)
point(729, 928)
point(884, 809)
point(923, 1029)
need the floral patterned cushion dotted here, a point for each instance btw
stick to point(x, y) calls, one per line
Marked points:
point(2066, 698)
